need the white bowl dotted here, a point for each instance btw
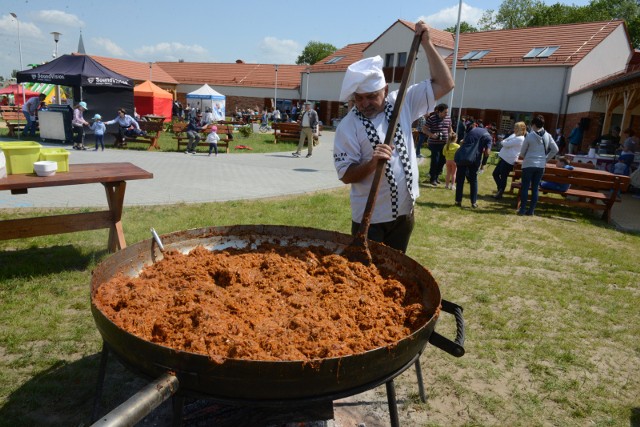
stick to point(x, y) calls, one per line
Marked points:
point(45, 168)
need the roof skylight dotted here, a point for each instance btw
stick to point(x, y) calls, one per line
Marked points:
point(334, 60)
point(474, 55)
point(541, 52)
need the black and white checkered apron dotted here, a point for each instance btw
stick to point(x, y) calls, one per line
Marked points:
point(401, 147)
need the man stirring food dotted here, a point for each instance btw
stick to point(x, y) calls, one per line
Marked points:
point(359, 142)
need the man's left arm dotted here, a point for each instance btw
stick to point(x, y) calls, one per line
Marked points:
point(553, 148)
point(487, 141)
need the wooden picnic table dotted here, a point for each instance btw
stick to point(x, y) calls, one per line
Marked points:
point(589, 188)
point(113, 176)
point(154, 118)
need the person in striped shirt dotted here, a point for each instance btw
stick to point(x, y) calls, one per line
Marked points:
point(437, 129)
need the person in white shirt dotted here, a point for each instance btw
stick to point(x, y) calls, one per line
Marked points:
point(125, 122)
point(359, 142)
point(213, 139)
point(508, 155)
point(308, 125)
point(276, 116)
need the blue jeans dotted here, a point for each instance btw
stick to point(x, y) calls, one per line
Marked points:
point(531, 178)
point(99, 141)
point(501, 174)
point(30, 127)
point(437, 161)
point(469, 172)
point(421, 138)
point(194, 139)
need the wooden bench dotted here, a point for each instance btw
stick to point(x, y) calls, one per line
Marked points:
point(590, 188)
point(10, 108)
point(153, 130)
point(290, 132)
point(180, 135)
point(229, 122)
point(15, 121)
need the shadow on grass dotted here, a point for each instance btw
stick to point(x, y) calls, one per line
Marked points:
point(507, 206)
point(63, 395)
point(44, 261)
point(634, 420)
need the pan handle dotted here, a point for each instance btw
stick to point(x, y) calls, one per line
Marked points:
point(454, 348)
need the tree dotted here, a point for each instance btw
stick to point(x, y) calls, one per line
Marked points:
point(488, 20)
point(629, 10)
point(511, 14)
point(465, 27)
point(556, 14)
point(314, 52)
point(533, 13)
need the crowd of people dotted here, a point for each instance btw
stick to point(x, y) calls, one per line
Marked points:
point(529, 142)
point(127, 126)
point(245, 115)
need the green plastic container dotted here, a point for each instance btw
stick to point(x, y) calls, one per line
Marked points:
point(59, 155)
point(20, 155)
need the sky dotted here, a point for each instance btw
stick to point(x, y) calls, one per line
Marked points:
point(207, 31)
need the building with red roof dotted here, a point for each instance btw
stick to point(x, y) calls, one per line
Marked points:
point(568, 73)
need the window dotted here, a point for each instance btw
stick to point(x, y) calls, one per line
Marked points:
point(388, 59)
point(541, 52)
point(480, 55)
point(474, 55)
point(334, 60)
point(393, 68)
point(548, 51)
point(468, 55)
point(402, 59)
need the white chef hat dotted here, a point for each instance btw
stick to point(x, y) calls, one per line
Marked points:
point(364, 76)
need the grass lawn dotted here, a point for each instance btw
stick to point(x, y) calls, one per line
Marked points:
point(551, 308)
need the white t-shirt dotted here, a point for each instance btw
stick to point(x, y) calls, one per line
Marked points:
point(213, 138)
point(511, 148)
point(352, 146)
point(305, 120)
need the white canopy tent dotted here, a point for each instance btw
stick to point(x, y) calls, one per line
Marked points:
point(206, 97)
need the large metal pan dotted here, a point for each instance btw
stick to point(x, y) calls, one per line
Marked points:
point(262, 380)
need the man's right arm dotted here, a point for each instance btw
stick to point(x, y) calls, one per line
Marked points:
point(358, 172)
point(441, 80)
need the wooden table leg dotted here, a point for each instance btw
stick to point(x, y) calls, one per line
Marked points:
point(115, 198)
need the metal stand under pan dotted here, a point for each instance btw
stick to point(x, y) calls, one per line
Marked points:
point(236, 412)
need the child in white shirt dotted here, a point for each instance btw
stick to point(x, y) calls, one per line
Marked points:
point(213, 139)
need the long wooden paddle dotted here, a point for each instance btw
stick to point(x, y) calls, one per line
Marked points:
point(358, 250)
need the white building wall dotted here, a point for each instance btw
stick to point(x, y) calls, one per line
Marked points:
point(254, 92)
point(580, 103)
point(322, 86)
point(609, 57)
point(510, 88)
point(398, 39)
